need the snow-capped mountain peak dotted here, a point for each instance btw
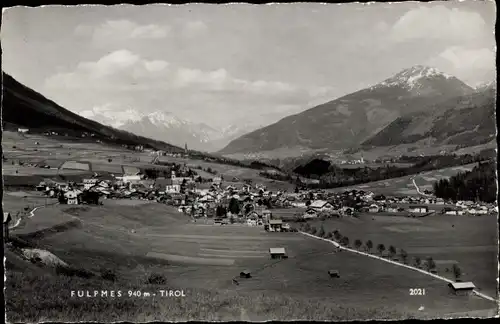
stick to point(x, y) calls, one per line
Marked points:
point(111, 115)
point(165, 119)
point(413, 77)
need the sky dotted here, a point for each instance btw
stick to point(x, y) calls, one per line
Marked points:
point(238, 64)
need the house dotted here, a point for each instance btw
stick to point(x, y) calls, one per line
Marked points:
point(72, 197)
point(89, 183)
point(347, 210)
point(392, 209)
point(6, 223)
point(462, 288)
point(23, 130)
point(266, 214)
point(320, 205)
point(453, 211)
point(275, 225)
point(418, 209)
point(374, 208)
point(310, 213)
point(334, 273)
point(251, 222)
point(217, 180)
point(252, 215)
point(278, 253)
point(245, 274)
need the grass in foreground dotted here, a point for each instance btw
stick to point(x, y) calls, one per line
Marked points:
point(47, 297)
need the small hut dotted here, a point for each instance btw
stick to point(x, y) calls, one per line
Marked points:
point(334, 273)
point(245, 274)
point(278, 253)
point(461, 288)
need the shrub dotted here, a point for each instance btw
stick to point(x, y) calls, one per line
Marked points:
point(156, 279)
point(73, 272)
point(108, 274)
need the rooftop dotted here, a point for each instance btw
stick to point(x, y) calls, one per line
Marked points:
point(277, 250)
point(462, 285)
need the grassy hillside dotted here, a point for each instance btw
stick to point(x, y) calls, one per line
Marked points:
point(464, 121)
point(19, 101)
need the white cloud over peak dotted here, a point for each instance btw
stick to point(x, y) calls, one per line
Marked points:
point(467, 63)
point(438, 22)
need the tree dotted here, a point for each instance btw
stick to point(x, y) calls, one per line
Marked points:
point(418, 262)
point(345, 241)
point(369, 245)
point(296, 189)
point(430, 264)
point(329, 235)
point(457, 272)
point(358, 243)
point(392, 251)
point(321, 231)
point(313, 230)
point(404, 256)
point(234, 206)
point(308, 203)
point(337, 235)
point(381, 248)
point(307, 227)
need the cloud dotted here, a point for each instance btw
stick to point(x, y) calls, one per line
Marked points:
point(129, 79)
point(193, 28)
point(123, 68)
point(120, 30)
point(438, 22)
point(469, 64)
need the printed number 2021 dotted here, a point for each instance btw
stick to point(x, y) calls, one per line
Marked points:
point(417, 292)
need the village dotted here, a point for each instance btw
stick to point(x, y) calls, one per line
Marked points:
point(228, 201)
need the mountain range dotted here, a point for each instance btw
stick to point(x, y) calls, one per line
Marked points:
point(165, 126)
point(380, 115)
point(23, 107)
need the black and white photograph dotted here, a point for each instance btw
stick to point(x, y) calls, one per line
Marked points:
point(249, 162)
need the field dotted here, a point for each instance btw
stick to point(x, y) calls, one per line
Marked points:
point(404, 185)
point(203, 260)
point(83, 157)
point(469, 241)
point(374, 165)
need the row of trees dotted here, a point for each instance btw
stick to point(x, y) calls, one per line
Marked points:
point(429, 264)
point(479, 184)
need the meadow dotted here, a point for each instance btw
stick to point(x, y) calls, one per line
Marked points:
point(469, 241)
point(82, 157)
point(136, 241)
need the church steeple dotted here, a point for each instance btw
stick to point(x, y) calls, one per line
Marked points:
point(185, 148)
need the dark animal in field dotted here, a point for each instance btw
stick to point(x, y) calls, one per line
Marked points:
point(235, 281)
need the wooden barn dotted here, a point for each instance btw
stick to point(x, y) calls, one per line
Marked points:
point(334, 273)
point(462, 288)
point(278, 253)
point(245, 274)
